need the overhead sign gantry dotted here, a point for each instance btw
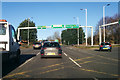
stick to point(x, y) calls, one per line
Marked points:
point(57, 27)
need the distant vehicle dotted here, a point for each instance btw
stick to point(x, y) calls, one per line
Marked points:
point(105, 46)
point(51, 49)
point(37, 45)
point(9, 46)
point(42, 42)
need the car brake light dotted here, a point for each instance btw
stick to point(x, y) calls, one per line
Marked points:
point(110, 45)
point(59, 54)
point(43, 48)
point(39, 44)
point(58, 48)
point(33, 45)
point(101, 46)
point(41, 54)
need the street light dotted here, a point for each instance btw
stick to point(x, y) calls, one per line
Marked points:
point(28, 29)
point(104, 19)
point(86, 24)
point(78, 28)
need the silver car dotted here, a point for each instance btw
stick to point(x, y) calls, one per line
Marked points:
point(51, 49)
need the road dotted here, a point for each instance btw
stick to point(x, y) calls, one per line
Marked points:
point(75, 63)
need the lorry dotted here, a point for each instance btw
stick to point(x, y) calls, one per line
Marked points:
point(9, 45)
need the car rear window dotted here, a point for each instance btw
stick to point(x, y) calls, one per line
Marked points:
point(37, 43)
point(105, 44)
point(2, 29)
point(51, 44)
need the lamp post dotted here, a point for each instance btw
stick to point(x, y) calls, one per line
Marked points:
point(86, 24)
point(77, 29)
point(28, 30)
point(104, 19)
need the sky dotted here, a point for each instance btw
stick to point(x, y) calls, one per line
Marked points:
point(48, 13)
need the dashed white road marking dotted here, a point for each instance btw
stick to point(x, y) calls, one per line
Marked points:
point(38, 53)
point(75, 62)
point(65, 54)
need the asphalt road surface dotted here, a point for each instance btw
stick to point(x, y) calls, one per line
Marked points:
point(75, 63)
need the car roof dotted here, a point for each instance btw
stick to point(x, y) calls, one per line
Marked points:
point(105, 42)
point(50, 42)
point(36, 43)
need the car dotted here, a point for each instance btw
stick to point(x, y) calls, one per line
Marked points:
point(42, 42)
point(105, 46)
point(51, 49)
point(37, 45)
point(9, 44)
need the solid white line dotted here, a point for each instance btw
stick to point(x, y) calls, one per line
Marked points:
point(38, 53)
point(26, 62)
point(95, 78)
point(75, 62)
point(65, 54)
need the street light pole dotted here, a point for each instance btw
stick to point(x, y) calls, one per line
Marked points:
point(28, 32)
point(104, 20)
point(86, 24)
point(77, 30)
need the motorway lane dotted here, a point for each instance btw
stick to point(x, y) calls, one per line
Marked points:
point(26, 54)
point(102, 64)
point(94, 64)
point(48, 68)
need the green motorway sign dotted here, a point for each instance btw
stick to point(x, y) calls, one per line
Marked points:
point(119, 22)
point(41, 27)
point(71, 26)
point(57, 26)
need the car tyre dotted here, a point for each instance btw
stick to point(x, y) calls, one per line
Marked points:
point(110, 50)
point(99, 49)
point(17, 59)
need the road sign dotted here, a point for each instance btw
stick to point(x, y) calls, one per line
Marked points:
point(71, 26)
point(56, 40)
point(41, 27)
point(119, 21)
point(57, 26)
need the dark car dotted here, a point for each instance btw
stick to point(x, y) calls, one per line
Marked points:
point(51, 49)
point(37, 45)
point(105, 46)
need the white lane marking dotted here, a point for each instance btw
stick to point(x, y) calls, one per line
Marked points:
point(26, 62)
point(95, 78)
point(75, 62)
point(70, 48)
point(65, 54)
point(38, 53)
